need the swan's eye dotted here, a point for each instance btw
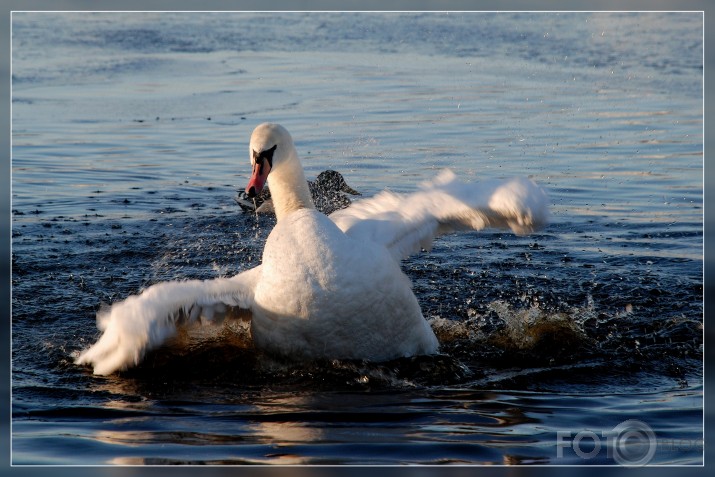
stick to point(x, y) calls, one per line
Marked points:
point(258, 157)
point(267, 155)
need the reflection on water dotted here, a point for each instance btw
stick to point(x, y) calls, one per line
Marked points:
point(451, 425)
point(278, 429)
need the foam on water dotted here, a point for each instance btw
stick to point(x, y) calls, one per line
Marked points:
point(515, 329)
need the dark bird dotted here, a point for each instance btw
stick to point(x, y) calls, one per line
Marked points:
point(327, 190)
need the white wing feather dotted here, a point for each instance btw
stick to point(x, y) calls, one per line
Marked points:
point(407, 223)
point(145, 321)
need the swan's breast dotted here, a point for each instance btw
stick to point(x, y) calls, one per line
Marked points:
point(323, 293)
point(305, 258)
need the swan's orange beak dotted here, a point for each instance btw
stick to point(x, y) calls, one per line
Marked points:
point(258, 178)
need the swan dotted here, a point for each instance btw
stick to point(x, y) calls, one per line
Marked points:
point(327, 287)
point(327, 191)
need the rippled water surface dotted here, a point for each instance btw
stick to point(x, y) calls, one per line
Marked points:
point(130, 137)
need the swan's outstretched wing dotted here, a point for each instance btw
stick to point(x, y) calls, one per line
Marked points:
point(145, 321)
point(407, 223)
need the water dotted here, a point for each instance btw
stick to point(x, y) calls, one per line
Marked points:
point(130, 140)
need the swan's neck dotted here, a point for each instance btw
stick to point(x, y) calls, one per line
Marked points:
point(289, 189)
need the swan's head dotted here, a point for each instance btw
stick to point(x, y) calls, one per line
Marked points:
point(271, 145)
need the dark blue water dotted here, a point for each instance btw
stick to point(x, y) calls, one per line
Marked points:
point(130, 137)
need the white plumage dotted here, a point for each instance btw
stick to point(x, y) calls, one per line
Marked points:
point(327, 287)
point(404, 224)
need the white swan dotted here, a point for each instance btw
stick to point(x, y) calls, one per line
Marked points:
point(327, 286)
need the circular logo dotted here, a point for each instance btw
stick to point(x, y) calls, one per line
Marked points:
point(634, 443)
